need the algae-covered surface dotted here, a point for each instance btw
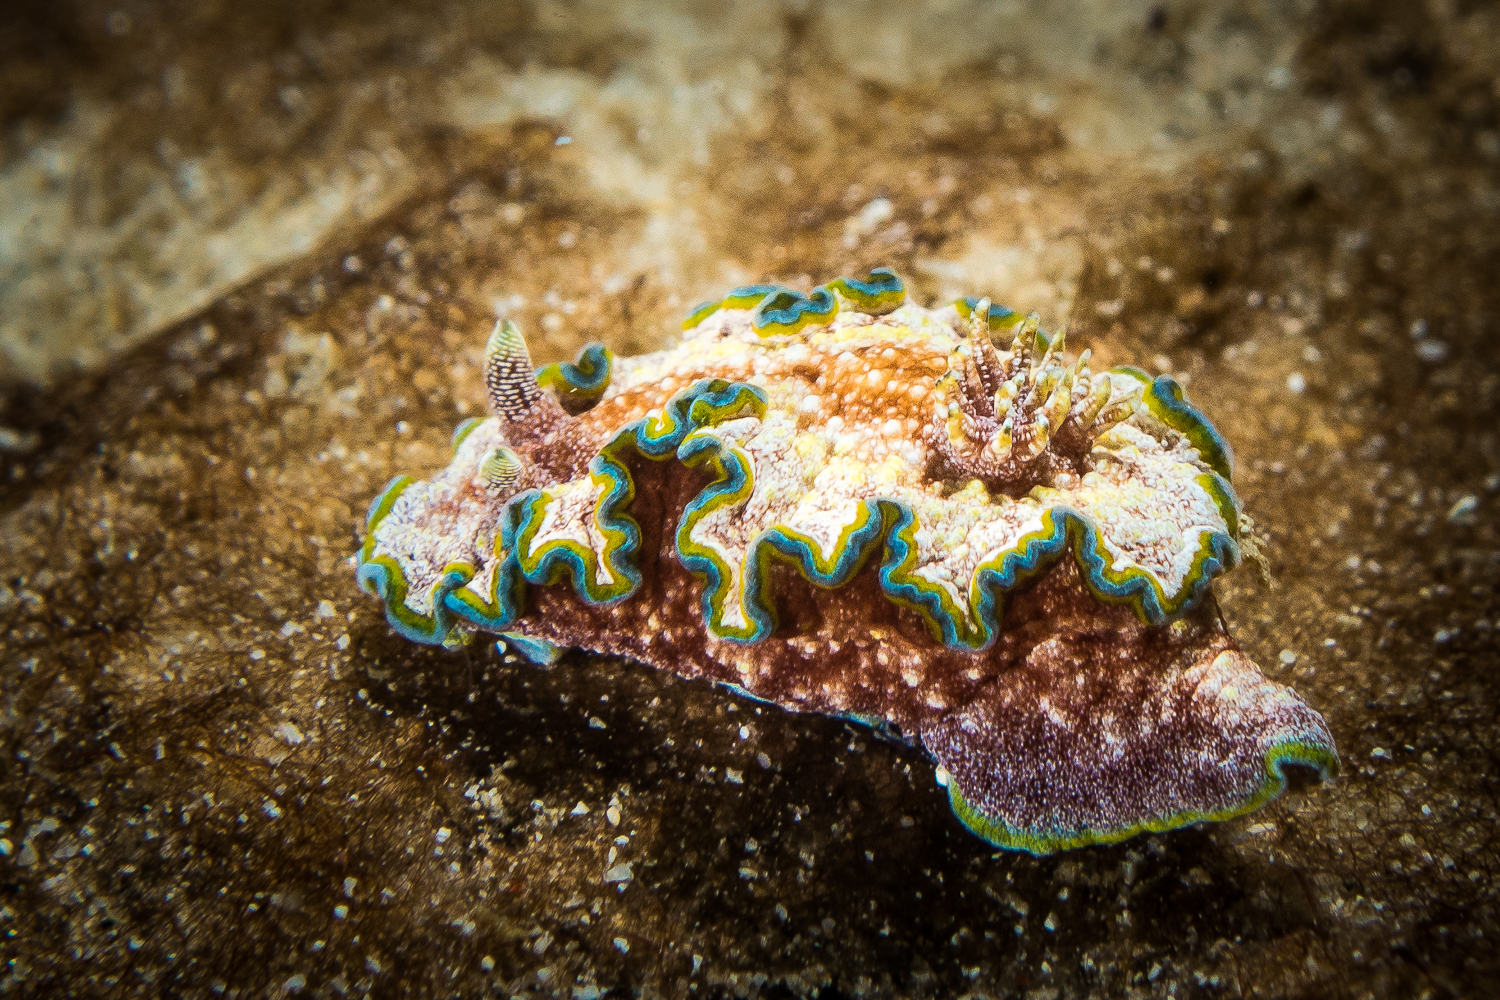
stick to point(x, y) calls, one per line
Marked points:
point(247, 269)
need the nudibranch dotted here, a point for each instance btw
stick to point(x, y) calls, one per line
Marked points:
point(932, 521)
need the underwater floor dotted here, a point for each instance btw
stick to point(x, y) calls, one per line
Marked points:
point(247, 266)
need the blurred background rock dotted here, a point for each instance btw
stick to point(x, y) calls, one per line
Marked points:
point(157, 155)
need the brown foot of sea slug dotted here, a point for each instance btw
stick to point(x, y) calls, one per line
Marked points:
point(931, 521)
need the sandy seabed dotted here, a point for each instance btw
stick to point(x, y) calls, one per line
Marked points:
point(247, 264)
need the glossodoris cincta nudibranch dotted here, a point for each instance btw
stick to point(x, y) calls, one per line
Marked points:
point(933, 521)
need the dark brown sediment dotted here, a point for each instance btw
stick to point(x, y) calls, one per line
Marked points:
point(1355, 211)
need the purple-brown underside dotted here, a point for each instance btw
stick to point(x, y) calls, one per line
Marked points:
point(662, 625)
point(1020, 725)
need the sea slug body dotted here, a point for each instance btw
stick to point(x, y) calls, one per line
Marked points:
point(931, 520)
